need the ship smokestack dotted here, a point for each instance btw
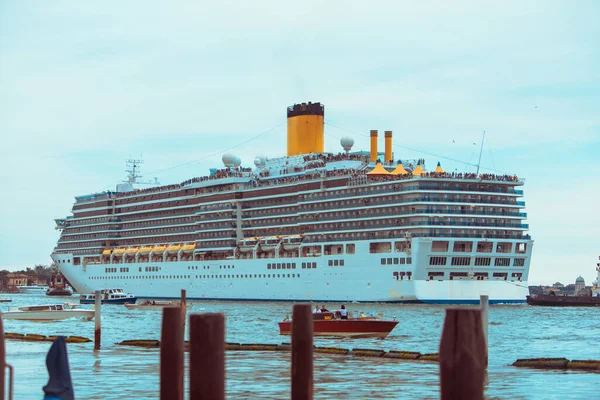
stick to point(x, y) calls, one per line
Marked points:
point(388, 147)
point(305, 128)
point(374, 145)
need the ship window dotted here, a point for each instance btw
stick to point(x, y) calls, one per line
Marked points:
point(484, 247)
point(439, 246)
point(519, 262)
point(437, 260)
point(504, 247)
point(341, 263)
point(461, 261)
point(383, 261)
point(303, 265)
point(289, 266)
point(409, 260)
point(463, 247)
point(483, 261)
point(389, 261)
point(293, 265)
point(268, 266)
point(502, 262)
point(335, 263)
point(314, 265)
point(521, 248)
point(330, 263)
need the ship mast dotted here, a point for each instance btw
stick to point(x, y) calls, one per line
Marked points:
point(480, 152)
point(133, 172)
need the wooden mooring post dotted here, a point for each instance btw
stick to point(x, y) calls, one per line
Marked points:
point(207, 356)
point(171, 355)
point(2, 361)
point(302, 352)
point(97, 320)
point(484, 304)
point(462, 355)
point(183, 305)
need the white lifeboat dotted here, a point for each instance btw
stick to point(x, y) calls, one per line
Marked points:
point(247, 245)
point(269, 243)
point(292, 242)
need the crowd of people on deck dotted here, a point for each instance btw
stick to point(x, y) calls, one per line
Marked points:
point(263, 177)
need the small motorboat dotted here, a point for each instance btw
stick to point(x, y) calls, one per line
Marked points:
point(48, 312)
point(358, 325)
point(32, 289)
point(154, 305)
point(5, 300)
point(553, 300)
point(109, 296)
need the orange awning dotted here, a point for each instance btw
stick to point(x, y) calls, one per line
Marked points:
point(378, 170)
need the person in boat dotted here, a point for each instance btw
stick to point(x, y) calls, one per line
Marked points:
point(323, 309)
point(317, 309)
point(343, 312)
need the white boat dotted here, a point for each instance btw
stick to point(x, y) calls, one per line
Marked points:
point(32, 289)
point(292, 242)
point(48, 312)
point(370, 234)
point(248, 245)
point(108, 296)
point(154, 305)
point(269, 243)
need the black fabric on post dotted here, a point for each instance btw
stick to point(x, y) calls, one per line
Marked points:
point(57, 361)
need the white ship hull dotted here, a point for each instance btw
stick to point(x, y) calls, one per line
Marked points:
point(362, 278)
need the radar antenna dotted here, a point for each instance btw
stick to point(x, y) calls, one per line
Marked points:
point(133, 173)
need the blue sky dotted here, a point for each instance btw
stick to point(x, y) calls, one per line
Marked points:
point(83, 86)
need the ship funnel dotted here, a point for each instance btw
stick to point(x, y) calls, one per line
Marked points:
point(373, 145)
point(305, 127)
point(388, 147)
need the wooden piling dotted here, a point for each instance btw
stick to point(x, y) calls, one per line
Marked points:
point(97, 318)
point(462, 355)
point(2, 361)
point(484, 302)
point(207, 356)
point(302, 352)
point(171, 355)
point(183, 305)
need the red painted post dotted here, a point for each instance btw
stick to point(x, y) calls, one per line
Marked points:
point(302, 352)
point(207, 356)
point(171, 355)
point(462, 355)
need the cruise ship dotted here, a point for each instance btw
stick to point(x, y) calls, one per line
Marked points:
point(310, 226)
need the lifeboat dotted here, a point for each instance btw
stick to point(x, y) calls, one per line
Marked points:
point(145, 250)
point(174, 248)
point(107, 252)
point(119, 252)
point(292, 242)
point(159, 249)
point(188, 248)
point(249, 244)
point(132, 251)
point(269, 243)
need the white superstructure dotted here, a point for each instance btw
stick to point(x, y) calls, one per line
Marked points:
point(315, 226)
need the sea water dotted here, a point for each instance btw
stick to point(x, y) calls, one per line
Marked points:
point(119, 372)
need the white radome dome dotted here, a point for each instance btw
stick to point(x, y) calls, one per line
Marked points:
point(347, 143)
point(228, 159)
point(258, 162)
point(237, 161)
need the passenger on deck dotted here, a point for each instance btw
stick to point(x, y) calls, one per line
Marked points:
point(323, 309)
point(343, 312)
point(317, 309)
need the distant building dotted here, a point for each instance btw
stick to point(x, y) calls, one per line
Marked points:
point(14, 280)
point(579, 284)
point(558, 285)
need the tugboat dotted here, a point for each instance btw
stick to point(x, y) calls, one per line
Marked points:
point(58, 286)
point(356, 325)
